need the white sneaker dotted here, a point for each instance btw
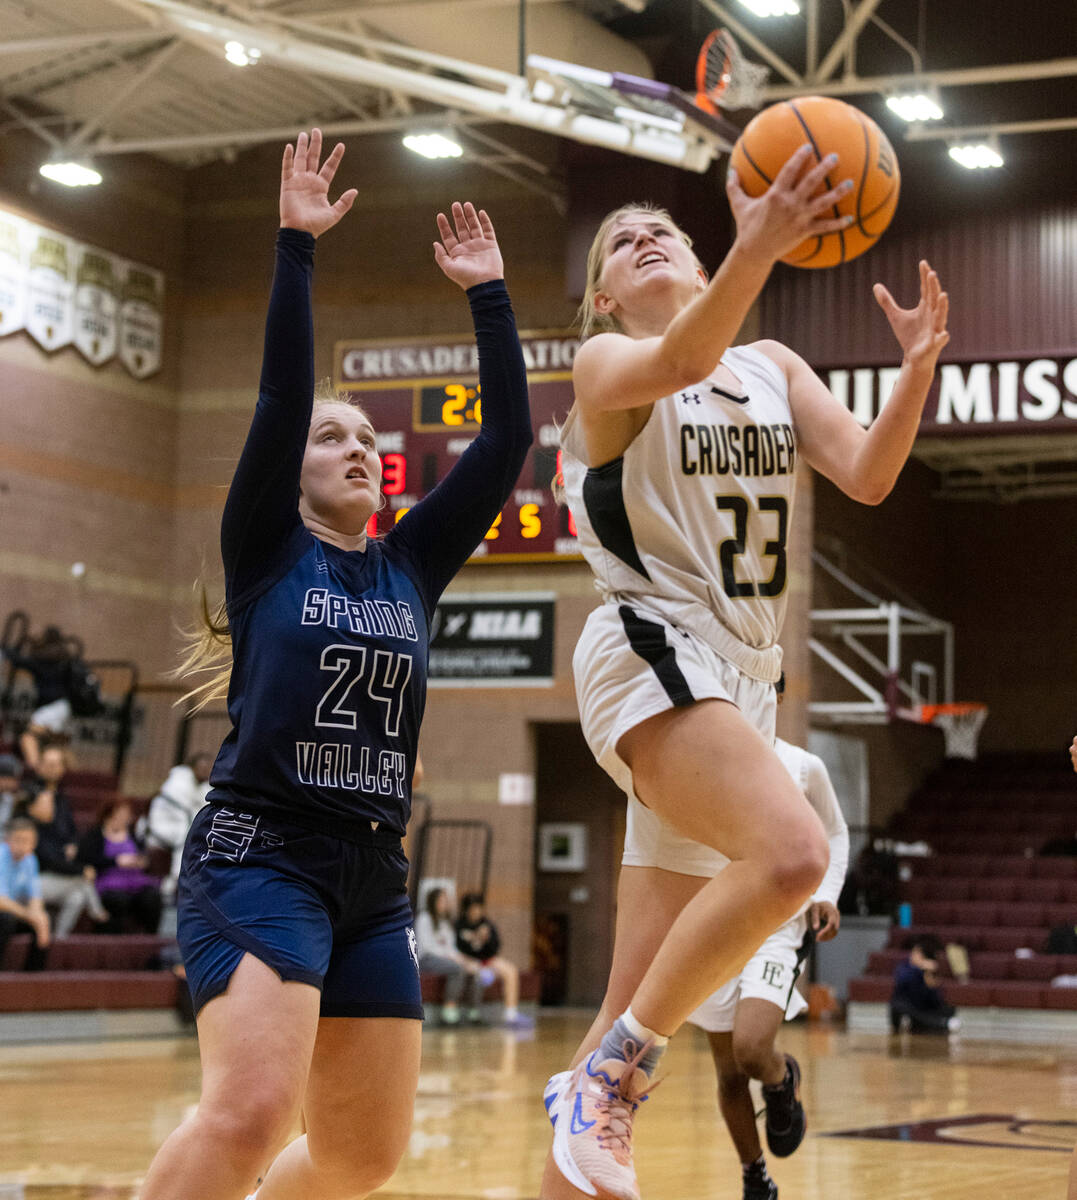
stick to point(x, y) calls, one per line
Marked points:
point(592, 1114)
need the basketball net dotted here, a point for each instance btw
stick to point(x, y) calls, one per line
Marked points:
point(725, 78)
point(960, 725)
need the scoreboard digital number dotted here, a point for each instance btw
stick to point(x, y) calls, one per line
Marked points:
point(424, 400)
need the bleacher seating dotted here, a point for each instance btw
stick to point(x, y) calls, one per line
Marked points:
point(986, 887)
point(87, 972)
point(530, 988)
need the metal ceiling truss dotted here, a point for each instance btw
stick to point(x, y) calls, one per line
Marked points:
point(817, 79)
point(331, 60)
point(374, 85)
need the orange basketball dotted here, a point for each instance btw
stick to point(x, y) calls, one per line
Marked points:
point(864, 156)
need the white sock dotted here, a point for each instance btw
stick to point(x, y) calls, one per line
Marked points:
point(511, 1013)
point(640, 1031)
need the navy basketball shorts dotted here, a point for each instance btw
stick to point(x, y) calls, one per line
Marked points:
point(314, 908)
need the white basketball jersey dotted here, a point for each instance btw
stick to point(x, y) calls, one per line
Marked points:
point(693, 518)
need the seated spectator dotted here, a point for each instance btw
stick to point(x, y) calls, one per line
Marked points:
point(477, 938)
point(127, 890)
point(173, 809)
point(11, 790)
point(873, 883)
point(49, 661)
point(436, 943)
point(917, 1002)
point(21, 907)
point(65, 879)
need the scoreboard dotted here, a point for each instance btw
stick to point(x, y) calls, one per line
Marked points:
point(425, 404)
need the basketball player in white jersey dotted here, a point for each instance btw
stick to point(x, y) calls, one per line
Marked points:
point(743, 1017)
point(678, 459)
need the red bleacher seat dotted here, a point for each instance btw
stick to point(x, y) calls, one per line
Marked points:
point(975, 912)
point(60, 991)
point(994, 888)
point(1051, 866)
point(433, 988)
point(1040, 969)
point(1011, 939)
point(1060, 997)
point(1017, 994)
point(1011, 866)
point(1060, 914)
point(987, 964)
point(970, 993)
point(871, 989)
point(1042, 891)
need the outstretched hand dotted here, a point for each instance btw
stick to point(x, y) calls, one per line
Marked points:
point(921, 331)
point(469, 254)
point(304, 189)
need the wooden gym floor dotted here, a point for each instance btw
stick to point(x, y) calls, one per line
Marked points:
point(889, 1119)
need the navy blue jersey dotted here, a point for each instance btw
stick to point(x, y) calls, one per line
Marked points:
point(330, 647)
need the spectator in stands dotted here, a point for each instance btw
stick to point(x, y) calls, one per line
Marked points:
point(65, 879)
point(21, 907)
point(50, 662)
point(917, 1002)
point(436, 941)
point(127, 890)
point(873, 883)
point(477, 939)
point(11, 791)
point(173, 809)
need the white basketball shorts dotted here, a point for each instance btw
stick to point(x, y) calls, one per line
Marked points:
point(632, 664)
point(771, 974)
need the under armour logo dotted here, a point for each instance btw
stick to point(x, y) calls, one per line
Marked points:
point(691, 398)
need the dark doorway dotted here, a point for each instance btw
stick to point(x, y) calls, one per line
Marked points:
point(575, 909)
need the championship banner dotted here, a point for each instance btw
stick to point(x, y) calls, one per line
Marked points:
point(140, 321)
point(64, 293)
point(50, 293)
point(12, 274)
point(493, 639)
point(96, 317)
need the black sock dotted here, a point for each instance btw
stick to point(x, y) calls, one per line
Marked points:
point(756, 1171)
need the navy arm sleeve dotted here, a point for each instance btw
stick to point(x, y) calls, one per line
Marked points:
point(262, 510)
point(441, 532)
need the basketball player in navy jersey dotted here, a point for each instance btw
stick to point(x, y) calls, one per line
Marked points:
point(679, 459)
point(294, 922)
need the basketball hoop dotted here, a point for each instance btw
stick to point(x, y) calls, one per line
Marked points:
point(724, 77)
point(960, 724)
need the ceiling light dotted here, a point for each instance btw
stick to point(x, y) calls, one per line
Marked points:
point(772, 8)
point(915, 106)
point(71, 174)
point(433, 145)
point(976, 157)
point(241, 56)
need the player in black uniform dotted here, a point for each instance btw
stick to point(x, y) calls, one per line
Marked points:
point(294, 922)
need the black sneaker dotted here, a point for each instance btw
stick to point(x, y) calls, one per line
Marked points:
point(758, 1185)
point(786, 1121)
point(761, 1189)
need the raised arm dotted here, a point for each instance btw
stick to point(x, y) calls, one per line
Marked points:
point(262, 506)
point(865, 463)
point(441, 532)
point(613, 371)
